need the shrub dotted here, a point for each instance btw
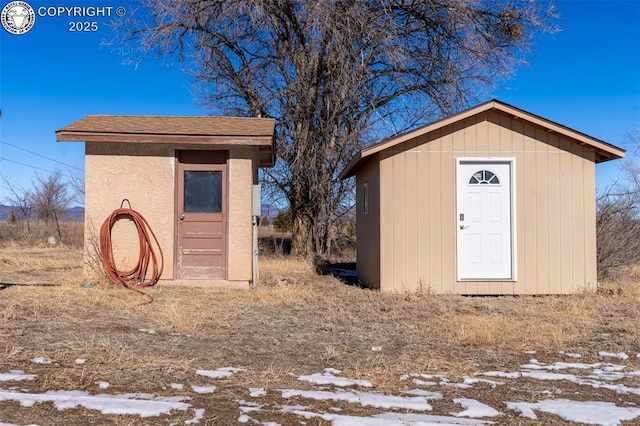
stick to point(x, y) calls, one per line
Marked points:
point(284, 221)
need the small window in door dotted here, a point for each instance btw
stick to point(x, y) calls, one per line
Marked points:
point(484, 177)
point(365, 198)
point(202, 191)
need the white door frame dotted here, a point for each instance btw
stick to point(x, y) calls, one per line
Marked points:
point(512, 193)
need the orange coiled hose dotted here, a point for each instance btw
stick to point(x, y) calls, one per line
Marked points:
point(137, 275)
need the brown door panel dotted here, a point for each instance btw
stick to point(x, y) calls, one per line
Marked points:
point(201, 215)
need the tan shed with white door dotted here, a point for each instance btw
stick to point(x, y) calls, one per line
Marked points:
point(492, 200)
point(190, 177)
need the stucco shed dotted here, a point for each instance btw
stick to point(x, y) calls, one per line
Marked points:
point(492, 200)
point(190, 177)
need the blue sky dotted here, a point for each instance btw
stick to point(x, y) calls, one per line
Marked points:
point(586, 77)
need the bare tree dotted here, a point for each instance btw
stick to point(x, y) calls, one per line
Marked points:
point(50, 197)
point(336, 74)
point(20, 198)
point(76, 185)
point(618, 216)
point(617, 230)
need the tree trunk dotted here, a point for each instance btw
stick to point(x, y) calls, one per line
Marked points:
point(336, 75)
point(302, 231)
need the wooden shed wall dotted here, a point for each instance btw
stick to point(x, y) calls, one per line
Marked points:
point(554, 208)
point(368, 226)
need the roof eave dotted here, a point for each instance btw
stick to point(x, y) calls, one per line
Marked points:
point(604, 151)
point(265, 144)
point(351, 168)
point(160, 138)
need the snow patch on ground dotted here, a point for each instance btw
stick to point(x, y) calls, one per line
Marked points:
point(474, 408)
point(398, 419)
point(473, 381)
point(220, 373)
point(620, 355)
point(588, 412)
point(203, 389)
point(199, 415)
point(40, 360)
point(422, 392)
point(16, 376)
point(417, 379)
point(366, 399)
point(600, 375)
point(570, 354)
point(512, 375)
point(257, 392)
point(328, 378)
point(144, 405)
point(535, 365)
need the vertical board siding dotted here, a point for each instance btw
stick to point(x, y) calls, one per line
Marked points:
point(387, 216)
point(399, 226)
point(516, 137)
point(590, 255)
point(578, 224)
point(447, 226)
point(542, 212)
point(529, 200)
point(554, 186)
point(433, 227)
point(566, 218)
point(495, 146)
point(506, 146)
point(424, 219)
point(411, 248)
point(555, 213)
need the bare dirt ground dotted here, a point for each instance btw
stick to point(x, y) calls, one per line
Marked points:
point(296, 323)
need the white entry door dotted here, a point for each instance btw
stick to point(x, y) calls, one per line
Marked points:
point(484, 231)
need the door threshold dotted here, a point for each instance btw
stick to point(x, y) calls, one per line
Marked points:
point(239, 285)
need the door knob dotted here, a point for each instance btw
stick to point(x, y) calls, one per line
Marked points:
point(181, 217)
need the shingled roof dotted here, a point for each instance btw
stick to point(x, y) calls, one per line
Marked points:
point(204, 130)
point(172, 125)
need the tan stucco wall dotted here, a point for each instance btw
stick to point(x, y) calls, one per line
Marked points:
point(145, 175)
point(240, 233)
point(554, 213)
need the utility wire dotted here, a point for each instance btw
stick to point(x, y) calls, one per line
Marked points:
point(39, 155)
point(33, 167)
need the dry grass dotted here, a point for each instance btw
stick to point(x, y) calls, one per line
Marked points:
point(282, 265)
point(71, 233)
point(296, 322)
point(627, 282)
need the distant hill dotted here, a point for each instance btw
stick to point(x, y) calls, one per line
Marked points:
point(270, 211)
point(4, 212)
point(74, 213)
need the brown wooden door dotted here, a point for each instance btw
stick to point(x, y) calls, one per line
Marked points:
point(201, 215)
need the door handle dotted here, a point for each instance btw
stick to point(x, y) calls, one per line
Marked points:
point(464, 227)
point(182, 217)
